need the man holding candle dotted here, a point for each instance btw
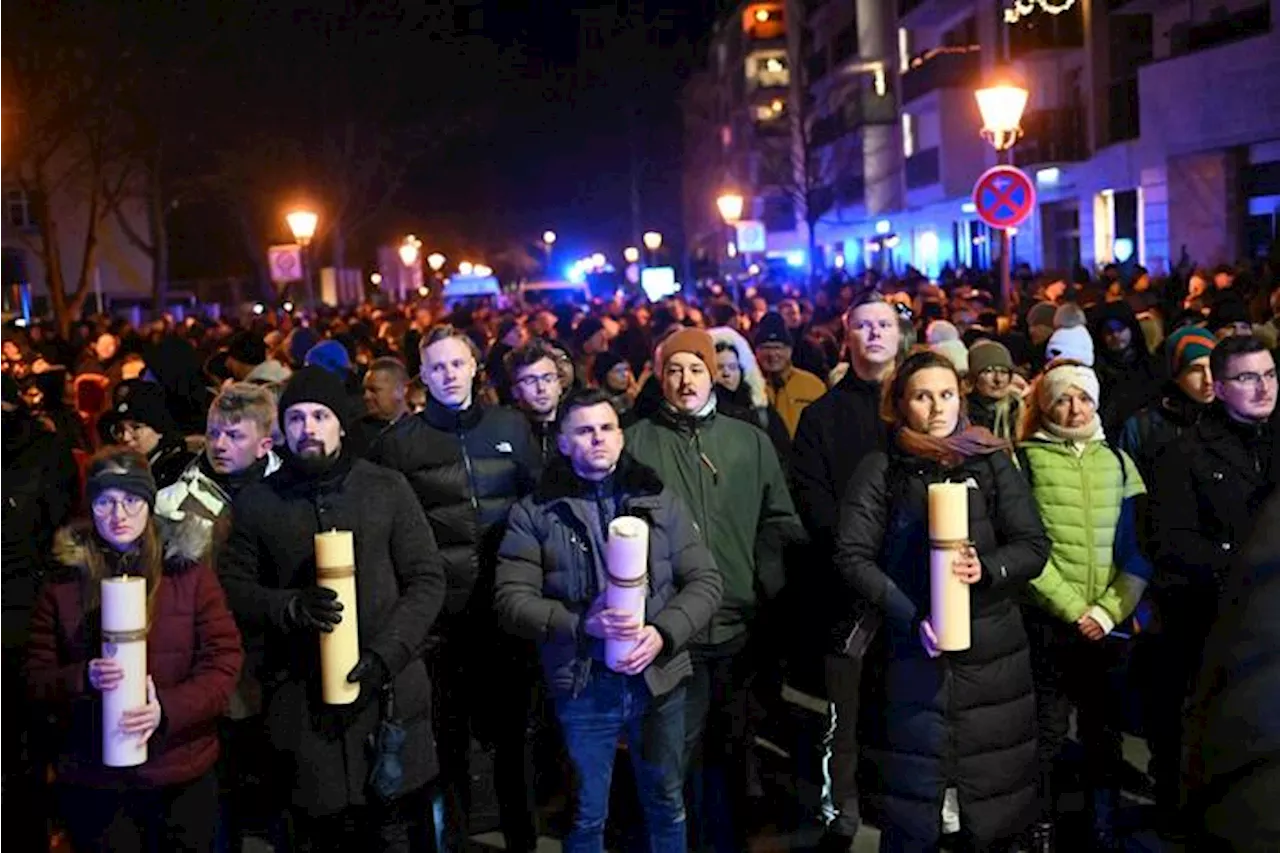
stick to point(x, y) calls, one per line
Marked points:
point(728, 474)
point(468, 464)
point(269, 571)
point(551, 588)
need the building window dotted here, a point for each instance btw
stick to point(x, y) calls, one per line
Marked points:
point(17, 209)
point(772, 111)
point(908, 135)
point(768, 70)
point(904, 50)
point(779, 213)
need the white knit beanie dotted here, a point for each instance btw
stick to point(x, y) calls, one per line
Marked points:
point(941, 330)
point(1056, 380)
point(953, 351)
point(1072, 342)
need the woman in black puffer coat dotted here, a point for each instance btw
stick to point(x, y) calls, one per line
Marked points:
point(950, 721)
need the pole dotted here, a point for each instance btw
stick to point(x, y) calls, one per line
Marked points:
point(1004, 156)
point(306, 276)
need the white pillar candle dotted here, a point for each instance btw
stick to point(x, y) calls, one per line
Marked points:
point(339, 648)
point(124, 639)
point(948, 595)
point(627, 561)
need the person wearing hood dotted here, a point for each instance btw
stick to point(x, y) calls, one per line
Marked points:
point(612, 374)
point(1184, 399)
point(40, 489)
point(994, 401)
point(740, 389)
point(1086, 491)
point(193, 658)
point(1129, 376)
point(140, 420)
point(341, 798)
point(789, 388)
point(729, 476)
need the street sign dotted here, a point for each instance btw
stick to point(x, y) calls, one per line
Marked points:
point(751, 235)
point(1004, 196)
point(285, 262)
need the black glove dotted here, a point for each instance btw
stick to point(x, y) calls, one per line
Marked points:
point(315, 607)
point(370, 672)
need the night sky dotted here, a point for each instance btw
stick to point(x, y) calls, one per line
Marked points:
point(508, 124)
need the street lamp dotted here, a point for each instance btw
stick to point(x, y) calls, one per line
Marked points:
point(548, 240)
point(482, 270)
point(410, 255)
point(466, 268)
point(435, 260)
point(631, 254)
point(652, 240)
point(549, 237)
point(303, 225)
point(1001, 107)
point(730, 205)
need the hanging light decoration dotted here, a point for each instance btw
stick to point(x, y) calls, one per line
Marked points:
point(1022, 8)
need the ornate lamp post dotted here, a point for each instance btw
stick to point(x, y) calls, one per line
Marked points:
point(1002, 106)
point(303, 225)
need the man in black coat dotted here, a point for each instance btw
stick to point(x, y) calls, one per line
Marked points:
point(835, 433)
point(467, 465)
point(1210, 485)
point(550, 588)
point(40, 487)
point(268, 570)
point(140, 419)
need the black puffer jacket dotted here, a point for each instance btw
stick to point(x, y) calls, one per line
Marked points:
point(467, 469)
point(964, 719)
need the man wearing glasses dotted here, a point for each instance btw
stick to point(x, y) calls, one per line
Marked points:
point(537, 389)
point(1210, 485)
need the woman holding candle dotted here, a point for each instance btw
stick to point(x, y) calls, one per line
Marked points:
point(1087, 493)
point(955, 745)
point(169, 802)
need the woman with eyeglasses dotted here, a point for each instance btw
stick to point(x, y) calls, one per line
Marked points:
point(193, 660)
point(994, 401)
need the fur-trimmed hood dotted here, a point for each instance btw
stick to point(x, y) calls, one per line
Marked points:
point(181, 546)
point(752, 376)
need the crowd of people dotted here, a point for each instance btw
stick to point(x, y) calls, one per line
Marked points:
point(1117, 439)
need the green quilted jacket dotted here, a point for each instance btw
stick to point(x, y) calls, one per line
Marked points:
point(1080, 493)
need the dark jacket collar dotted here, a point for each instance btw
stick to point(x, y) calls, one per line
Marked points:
point(293, 477)
point(452, 420)
point(852, 383)
point(631, 479)
point(669, 417)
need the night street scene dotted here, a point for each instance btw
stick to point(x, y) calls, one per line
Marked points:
point(730, 427)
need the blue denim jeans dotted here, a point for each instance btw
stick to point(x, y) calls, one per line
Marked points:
point(609, 705)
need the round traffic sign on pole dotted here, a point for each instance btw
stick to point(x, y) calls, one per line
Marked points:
point(1004, 196)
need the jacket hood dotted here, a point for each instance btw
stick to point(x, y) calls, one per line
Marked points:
point(631, 478)
point(182, 546)
point(752, 376)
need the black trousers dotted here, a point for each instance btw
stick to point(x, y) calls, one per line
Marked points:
point(400, 826)
point(172, 819)
point(26, 801)
point(1069, 670)
point(483, 688)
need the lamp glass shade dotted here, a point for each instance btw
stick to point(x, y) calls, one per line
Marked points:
point(466, 268)
point(408, 254)
point(631, 254)
point(482, 270)
point(435, 260)
point(303, 225)
point(730, 206)
point(1001, 107)
point(652, 241)
point(548, 237)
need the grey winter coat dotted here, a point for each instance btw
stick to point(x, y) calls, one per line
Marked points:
point(551, 567)
point(400, 586)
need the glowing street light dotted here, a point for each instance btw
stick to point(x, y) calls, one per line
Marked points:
point(730, 205)
point(652, 240)
point(482, 270)
point(1002, 106)
point(466, 268)
point(598, 260)
point(409, 251)
point(631, 254)
point(436, 261)
point(303, 225)
point(549, 237)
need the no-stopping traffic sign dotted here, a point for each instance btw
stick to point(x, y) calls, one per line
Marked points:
point(1004, 196)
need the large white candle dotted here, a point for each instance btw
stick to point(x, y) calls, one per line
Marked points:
point(627, 560)
point(124, 638)
point(339, 648)
point(948, 596)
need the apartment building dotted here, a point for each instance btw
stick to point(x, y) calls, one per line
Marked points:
point(1152, 128)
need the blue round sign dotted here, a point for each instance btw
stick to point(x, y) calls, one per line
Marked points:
point(1004, 196)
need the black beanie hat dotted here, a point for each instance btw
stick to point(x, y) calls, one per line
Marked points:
point(605, 362)
point(316, 385)
point(145, 403)
point(115, 473)
point(773, 330)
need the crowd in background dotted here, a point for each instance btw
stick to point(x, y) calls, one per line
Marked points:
point(1117, 435)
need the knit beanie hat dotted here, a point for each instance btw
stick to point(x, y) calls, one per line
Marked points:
point(1041, 314)
point(314, 384)
point(331, 355)
point(142, 402)
point(1186, 345)
point(1069, 314)
point(1057, 378)
point(954, 352)
point(772, 330)
point(988, 353)
point(116, 474)
point(604, 362)
point(941, 330)
point(1072, 342)
point(691, 340)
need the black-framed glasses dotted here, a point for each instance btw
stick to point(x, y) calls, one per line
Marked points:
point(104, 506)
point(1256, 380)
point(540, 379)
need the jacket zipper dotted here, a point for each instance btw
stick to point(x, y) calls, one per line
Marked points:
point(471, 474)
point(1088, 524)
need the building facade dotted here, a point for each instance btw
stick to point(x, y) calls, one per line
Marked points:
point(1152, 129)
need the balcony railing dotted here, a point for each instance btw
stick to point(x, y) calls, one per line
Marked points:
point(860, 110)
point(923, 169)
point(942, 68)
point(1052, 136)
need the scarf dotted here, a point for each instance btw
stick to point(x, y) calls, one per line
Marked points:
point(1006, 415)
point(1075, 435)
point(953, 450)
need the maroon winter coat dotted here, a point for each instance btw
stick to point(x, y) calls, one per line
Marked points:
point(193, 656)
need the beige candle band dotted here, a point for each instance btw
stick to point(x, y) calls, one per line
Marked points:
point(627, 582)
point(950, 544)
point(119, 637)
point(335, 571)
